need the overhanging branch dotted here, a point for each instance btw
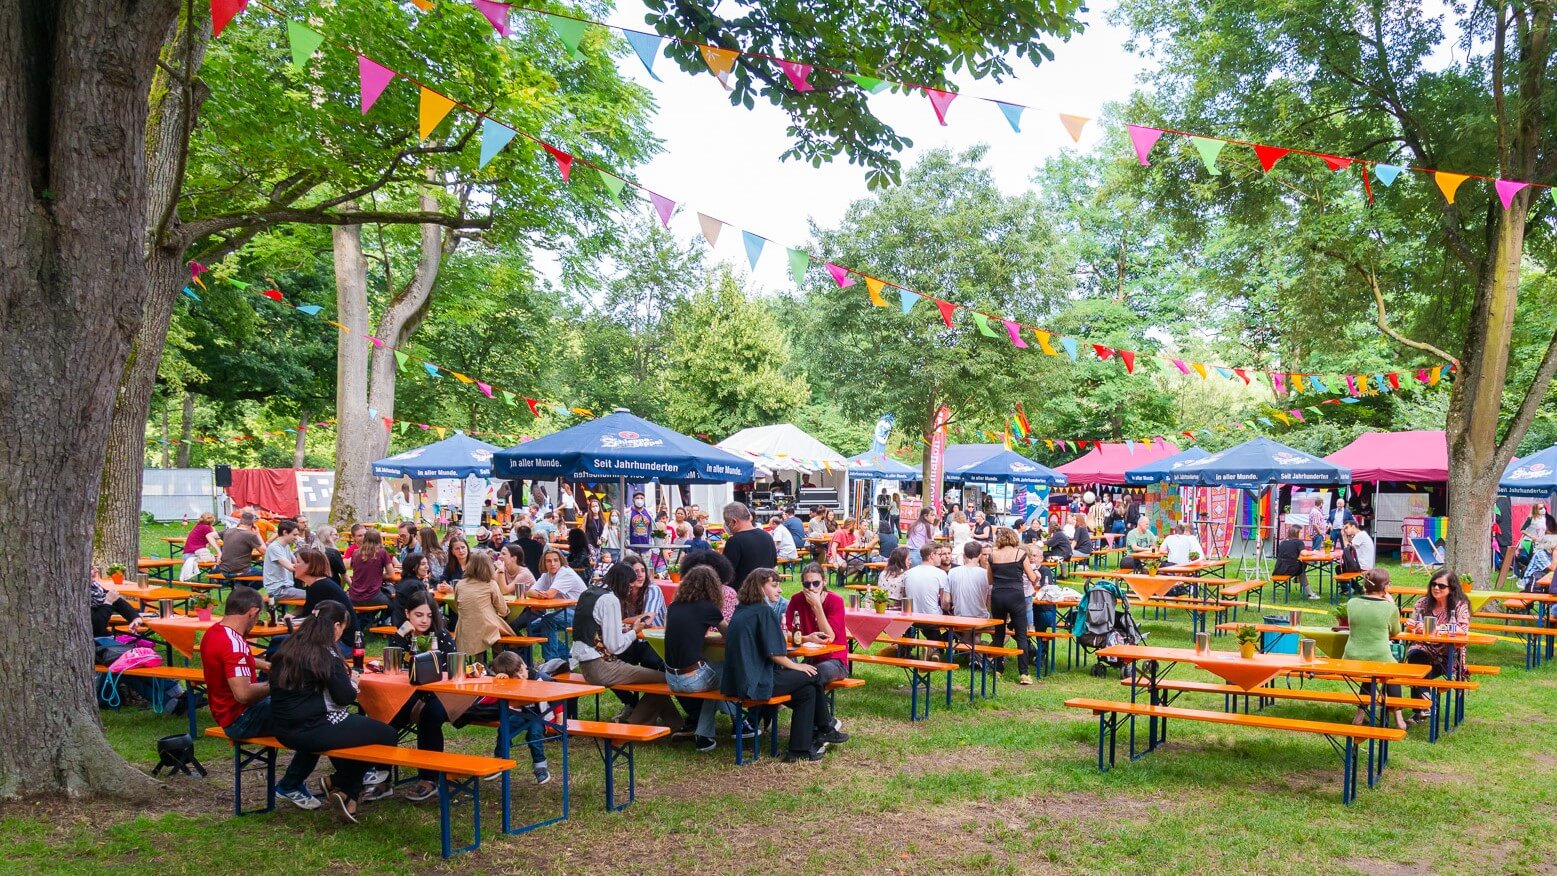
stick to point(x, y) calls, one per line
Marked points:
point(1530, 405)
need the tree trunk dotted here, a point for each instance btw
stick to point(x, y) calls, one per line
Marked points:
point(186, 430)
point(300, 446)
point(73, 83)
point(354, 500)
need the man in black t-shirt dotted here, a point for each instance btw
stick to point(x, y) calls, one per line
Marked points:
point(748, 547)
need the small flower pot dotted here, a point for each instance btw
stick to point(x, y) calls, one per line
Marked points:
point(117, 578)
point(880, 607)
point(1246, 650)
point(203, 614)
point(675, 577)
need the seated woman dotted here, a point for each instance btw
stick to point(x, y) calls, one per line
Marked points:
point(757, 667)
point(1288, 561)
point(415, 577)
point(579, 559)
point(1374, 620)
point(891, 578)
point(694, 612)
point(643, 598)
point(1540, 565)
point(1446, 602)
point(310, 689)
point(200, 545)
point(459, 555)
point(313, 574)
point(723, 568)
point(1058, 545)
point(1082, 545)
point(423, 709)
point(429, 547)
point(483, 608)
point(818, 615)
point(609, 652)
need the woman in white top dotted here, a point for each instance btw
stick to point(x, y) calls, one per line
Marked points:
point(961, 533)
point(608, 651)
point(891, 578)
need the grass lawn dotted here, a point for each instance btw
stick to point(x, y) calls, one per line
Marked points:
point(1006, 785)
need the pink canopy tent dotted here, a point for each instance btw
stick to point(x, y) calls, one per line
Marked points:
point(1420, 457)
point(1107, 463)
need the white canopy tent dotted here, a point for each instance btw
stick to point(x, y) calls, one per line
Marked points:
point(784, 451)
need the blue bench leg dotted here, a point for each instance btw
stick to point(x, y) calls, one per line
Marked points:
point(1349, 772)
point(613, 754)
point(447, 793)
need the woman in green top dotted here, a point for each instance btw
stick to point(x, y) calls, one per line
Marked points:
point(1374, 620)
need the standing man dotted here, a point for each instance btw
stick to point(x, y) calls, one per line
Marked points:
point(280, 563)
point(1339, 517)
point(1316, 527)
point(639, 526)
point(747, 547)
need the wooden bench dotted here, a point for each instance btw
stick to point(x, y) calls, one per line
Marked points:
point(1110, 715)
point(980, 672)
point(1482, 669)
point(1198, 608)
point(1501, 615)
point(1046, 651)
point(1231, 693)
point(921, 674)
point(458, 774)
point(1340, 579)
point(1533, 637)
point(1444, 719)
point(1284, 582)
point(741, 707)
point(192, 677)
point(1243, 589)
point(619, 740)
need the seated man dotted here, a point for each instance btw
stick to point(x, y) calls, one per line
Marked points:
point(1180, 545)
point(1139, 538)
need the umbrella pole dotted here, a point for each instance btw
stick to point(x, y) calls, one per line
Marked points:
point(621, 518)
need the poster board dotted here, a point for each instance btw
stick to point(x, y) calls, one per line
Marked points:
point(1390, 511)
point(908, 510)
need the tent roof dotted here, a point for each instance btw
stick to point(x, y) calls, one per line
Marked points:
point(782, 447)
point(620, 445)
point(1006, 467)
point(456, 456)
point(1258, 462)
point(1396, 456)
point(960, 455)
point(1107, 463)
point(874, 465)
point(1534, 476)
point(1159, 471)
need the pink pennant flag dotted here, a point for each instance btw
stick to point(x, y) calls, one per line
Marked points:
point(1179, 364)
point(1421, 375)
point(797, 74)
point(486, 388)
point(196, 269)
point(497, 13)
point(940, 100)
point(1296, 414)
point(662, 206)
point(564, 160)
point(1015, 331)
point(1144, 139)
point(1278, 382)
point(1507, 189)
point(374, 79)
point(1351, 385)
point(840, 275)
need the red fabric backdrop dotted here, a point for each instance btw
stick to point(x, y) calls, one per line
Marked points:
point(272, 489)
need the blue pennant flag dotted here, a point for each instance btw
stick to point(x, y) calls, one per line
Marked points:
point(494, 137)
point(191, 293)
point(1013, 114)
point(753, 247)
point(310, 309)
point(432, 370)
point(907, 299)
point(647, 45)
point(1386, 172)
point(1070, 347)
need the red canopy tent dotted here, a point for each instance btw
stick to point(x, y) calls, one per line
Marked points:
point(1417, 457)
point(1107, 463)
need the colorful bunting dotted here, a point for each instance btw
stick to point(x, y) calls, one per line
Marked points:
point(1070, 347)
point(373, 78)
point(400, 360)
point(431, 369)
point(496, 13)
point(798, 74)
point(1043, 343)
point(799, 263)
point(874, 286)
point(940, 101)
point(720, 62)
point(1507, 189)
point(1386, 173)
point(310, 309)
point(494, 136)
point(1144, 139)
point(1209, 149)
point(906, 300)
point(1269, 155)
point(431, 109)
point(223, 11)
point(613, 185)
point(569, 30)
point(983, 323)
point(1013, 114)
point(647, 46)
point(710, 228)
point(1200, 368)
point(1129, 360)
point(870, 83)
point(1448, 183)
point(563, 159)
point(946, 308)
point(1336, 162)
point(486, 388)
point(304, 43)
point(1015, 332)
point(663, 206)
point(753, 243)
point(840, 275)
point(1073, 125)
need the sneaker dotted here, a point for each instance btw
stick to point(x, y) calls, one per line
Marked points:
point(300, 798)
point(375, 777)
point(705, 743)
point(377, 792)
point(423, 790)
point(542, 775)
point(1024, 679)
point(684, 734)
point(835, 737)
point(814, 755)
point(838, 724)
point(344, 805)
point(621, 717)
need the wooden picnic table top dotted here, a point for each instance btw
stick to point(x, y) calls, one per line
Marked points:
point(948, 621)
point(149, 594)
point(1319, 556)
point(1413, 638)
point(1255, 671)
point(1194, 566)
point(515, 690)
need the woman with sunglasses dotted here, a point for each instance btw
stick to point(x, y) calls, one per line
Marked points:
point(818, 615)
point(1446, 602)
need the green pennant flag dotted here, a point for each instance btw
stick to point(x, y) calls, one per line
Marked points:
point(304, 43)
point(983, 322)
point(508, 397)
point(403, 426)
point(870, 83)
point(799, 261)
point(613, 185)
point(400, 360)
point(240, 284)
point(1209, 149)
point(570, 31)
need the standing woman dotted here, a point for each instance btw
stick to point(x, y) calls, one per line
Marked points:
point(1012, 578)
point(1445, 601)
point(1374, 620)
point(594, 524)
point(423, 710)
point(310, 689)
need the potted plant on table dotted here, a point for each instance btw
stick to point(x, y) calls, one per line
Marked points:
point(1342, 622)
point(116, 573)
point(1194, 556)
point(1248, 639)
point(673, 571)
point(202, 603)
point(658, 534)
point(879, 600)
point(1328, 545)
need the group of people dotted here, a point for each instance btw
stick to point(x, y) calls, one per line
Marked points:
point(1374, 621)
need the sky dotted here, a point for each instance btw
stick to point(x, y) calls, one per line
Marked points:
point(724, 161)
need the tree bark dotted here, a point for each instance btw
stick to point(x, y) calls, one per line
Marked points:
point(353, 500)
point(73, 83)
point(186, 430)
point(300, 445)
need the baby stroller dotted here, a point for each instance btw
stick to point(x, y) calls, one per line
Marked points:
point(1102, 619)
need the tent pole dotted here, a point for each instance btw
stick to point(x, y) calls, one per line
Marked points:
point(621, 517)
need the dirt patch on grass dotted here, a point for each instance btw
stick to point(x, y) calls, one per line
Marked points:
point(1376, 867)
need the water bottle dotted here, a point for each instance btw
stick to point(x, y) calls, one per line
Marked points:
point(356, 651)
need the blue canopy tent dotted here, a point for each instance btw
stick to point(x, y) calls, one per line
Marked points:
point(1533, 477)
point(1157, 471)
point(879, 466)
point(1257, 463)
point(1007, 467)
point(457, 456)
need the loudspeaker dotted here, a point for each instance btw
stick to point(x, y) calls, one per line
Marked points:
point(224, 476)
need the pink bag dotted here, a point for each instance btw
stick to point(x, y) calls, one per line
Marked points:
point(135, 658)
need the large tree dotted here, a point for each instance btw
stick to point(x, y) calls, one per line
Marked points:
point(1461, 88)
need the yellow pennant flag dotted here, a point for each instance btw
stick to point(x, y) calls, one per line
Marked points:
point(1200, 369)
point(720, 62)
point(1285, 420)
point(462, 378)
point(874, 287)
point(1043, 344)
point(441, 431)
point(583, 412)
point(1448, 183)
point(431, 111)
point(1049, 444)
point(1434, 375)
point(1297, 383)
point(1073, 125)
point(338, 325)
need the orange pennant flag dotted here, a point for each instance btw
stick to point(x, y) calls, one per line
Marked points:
point(432, 109)
point(1200, 369)
point(424, 5)
point(462, 378)
point(1073, 125)
point(1043, 342)
point(1448, 183)
point(874, 286)
point(720, 62)
point(1297, 383)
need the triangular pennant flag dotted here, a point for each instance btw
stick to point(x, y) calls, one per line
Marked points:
point(870, 83)
point(304, 43)
point(720, 62)
point(1209, 149)
point(1507, 189)
point(1200, 369)
point(1070, 347)
point(570, 31)
point(647, 45)
point(1102, 352)
point(1278, 382)
point(404, 425)
point(711, 228)
point(663, 206)
point(1129, 359)
point(1387, 172)
point(613, 185)
point(531, 404)
point(1296, 414)
point(240, 284)
point(563, 159)
point(389, 423)
point(1130, 446)
point(753, 244)
point(1013, 114)
point(431, 369)
point(983, 324)
point(1317, 383)
point(424, 5)
point(191, 293)
point(310, 309)
point(1351, 401)
point(874, 287)
point(1394, 379)
point(797, 74)
point(840, 275)
point(947, 309)
point(1242, 375)
point(1285, 420)
point(906, 300)
point(1015, 331)
point(1434, 375)
point(400, 360)
point(1043, 343)
point(1179, 364)
point(1269, 155)
point(940, 100)
point(431, 110)
point(1448, 183)
point(441, 431)
point(508, 397)
point(373, 79)
point(494, 136)
point(1297, 383)
point(223, 11)
point(1073, 125)
point(1336, 162)
point(1226, 374)
point(486, 389)
point(799, 262)
point(462, 378)
point(496, 13)
point(1143, 139)
point(272, 294)
point(1049, 443)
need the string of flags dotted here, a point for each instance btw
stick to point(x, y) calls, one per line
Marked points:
point(402, 425)
point(403, 359)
